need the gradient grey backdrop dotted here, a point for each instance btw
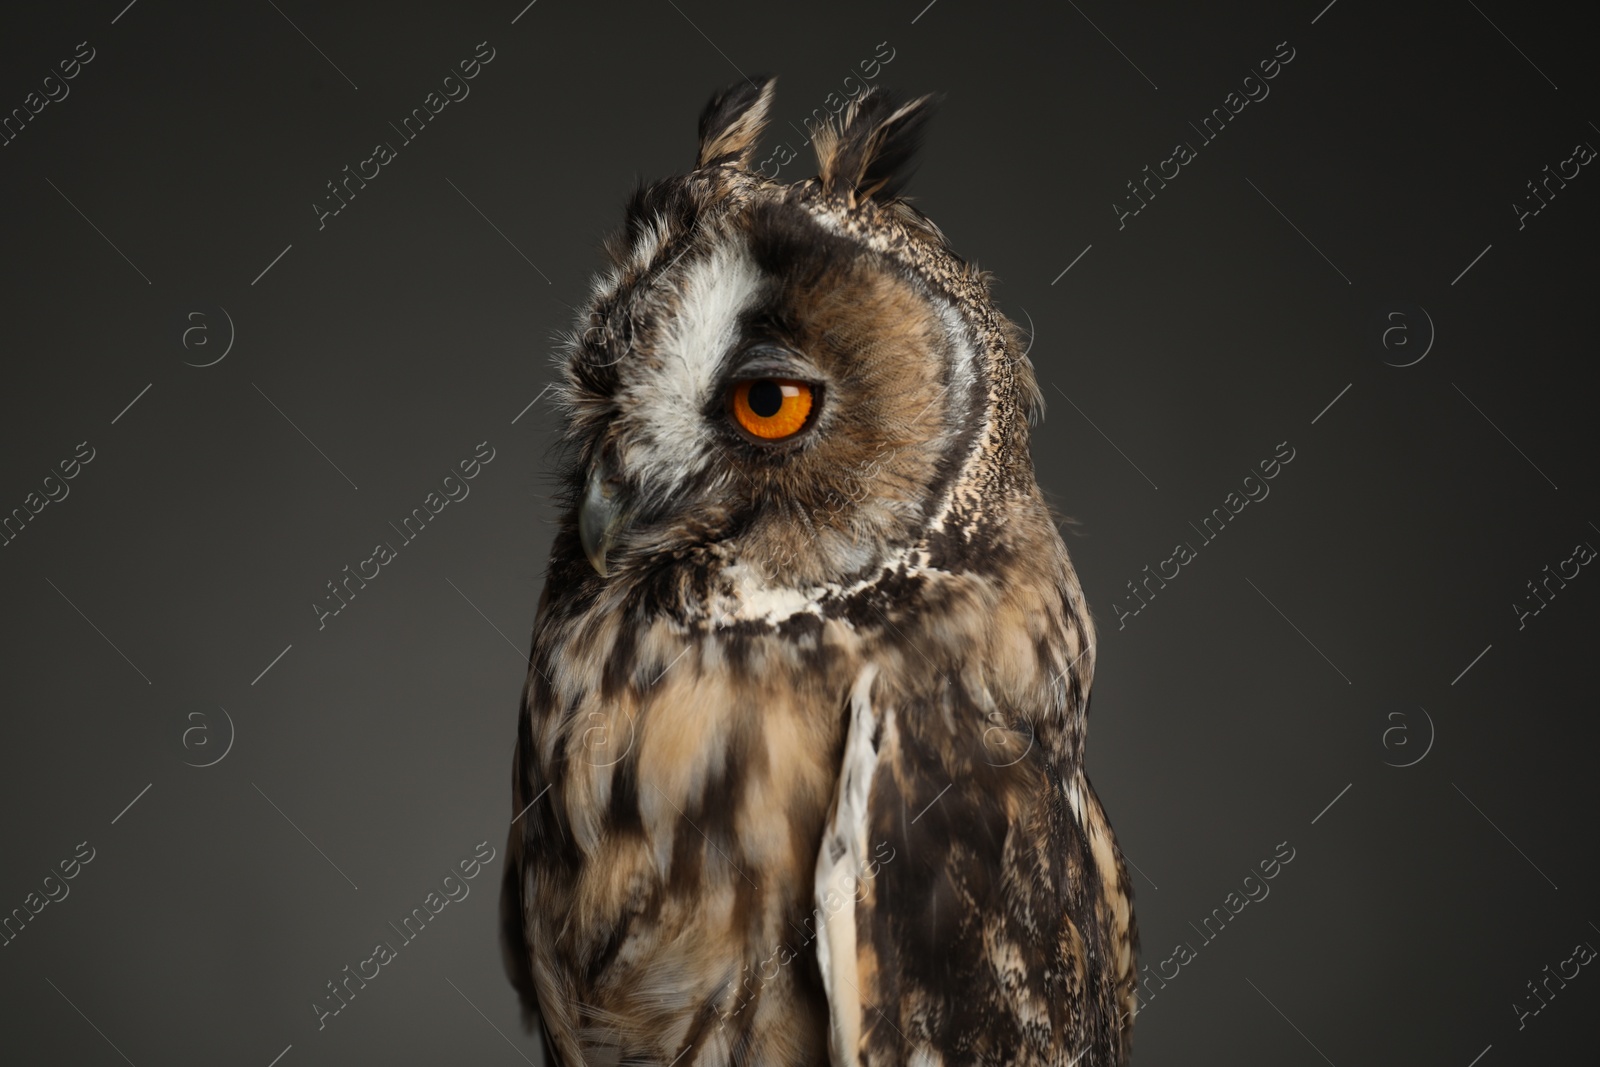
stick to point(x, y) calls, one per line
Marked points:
point(379, 351)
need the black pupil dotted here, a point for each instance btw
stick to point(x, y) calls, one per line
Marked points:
point(766, 398)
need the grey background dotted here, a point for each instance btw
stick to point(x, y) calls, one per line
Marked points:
point(1251, 693)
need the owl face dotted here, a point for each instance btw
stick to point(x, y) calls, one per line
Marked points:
point(774, 383)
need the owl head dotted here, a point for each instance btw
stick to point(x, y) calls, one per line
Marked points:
point(780, 389)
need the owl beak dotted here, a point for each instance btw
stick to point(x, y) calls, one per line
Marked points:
point(601, 515)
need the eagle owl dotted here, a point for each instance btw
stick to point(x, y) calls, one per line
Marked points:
point(799, 771)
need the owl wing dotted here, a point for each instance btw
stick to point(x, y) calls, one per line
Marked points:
point(971, 907)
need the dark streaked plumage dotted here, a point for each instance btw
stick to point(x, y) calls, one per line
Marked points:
point(803, 737)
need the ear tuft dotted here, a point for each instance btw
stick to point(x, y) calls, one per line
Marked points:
point(871, 154)
point(732, 122)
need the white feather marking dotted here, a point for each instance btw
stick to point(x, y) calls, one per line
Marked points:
point(963, 375)
point(665, 402)
point(963, 371)
point(840, 864)
point(756, 601)
point(753, 599)
point(1074, 798)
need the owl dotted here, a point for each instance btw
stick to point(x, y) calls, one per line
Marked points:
point(799, 774)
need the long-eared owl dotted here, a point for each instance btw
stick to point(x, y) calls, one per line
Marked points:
point(800, 762)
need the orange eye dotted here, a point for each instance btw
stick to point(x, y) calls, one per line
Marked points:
point(771, 408)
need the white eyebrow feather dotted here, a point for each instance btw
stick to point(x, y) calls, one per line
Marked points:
point(670, 439)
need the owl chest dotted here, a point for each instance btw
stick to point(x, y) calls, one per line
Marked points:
point(696, 805)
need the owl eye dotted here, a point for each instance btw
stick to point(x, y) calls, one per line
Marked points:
point(771, 409)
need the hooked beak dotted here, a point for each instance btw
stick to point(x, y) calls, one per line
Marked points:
point(601, 515)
